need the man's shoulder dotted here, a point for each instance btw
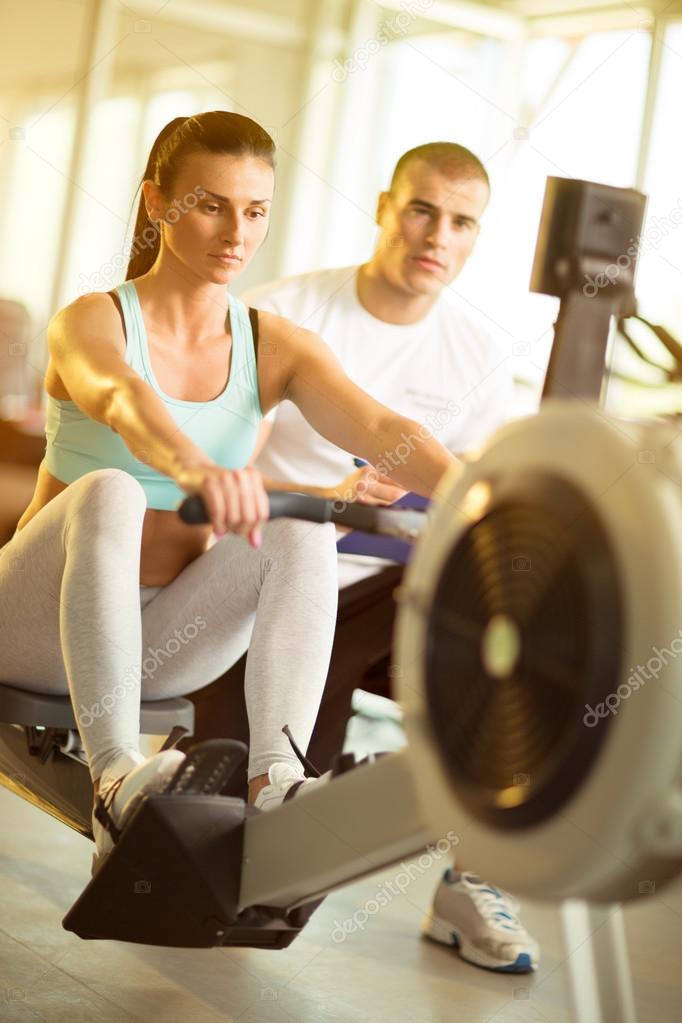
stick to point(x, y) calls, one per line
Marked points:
point(307, 290)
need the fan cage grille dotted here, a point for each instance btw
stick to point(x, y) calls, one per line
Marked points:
point(514, 744)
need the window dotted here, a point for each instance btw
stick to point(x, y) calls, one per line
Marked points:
point(37, 181)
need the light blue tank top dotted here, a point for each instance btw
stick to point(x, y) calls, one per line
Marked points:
point(225, 428)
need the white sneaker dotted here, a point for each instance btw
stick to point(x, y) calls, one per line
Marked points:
point(480, 921)
point(286, 780)
point(122, 786)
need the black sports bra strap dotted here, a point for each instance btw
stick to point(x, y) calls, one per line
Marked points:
point(117, 303)
point(253, 317)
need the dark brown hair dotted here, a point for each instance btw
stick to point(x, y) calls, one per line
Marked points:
point(217, 131)
point(448, 157)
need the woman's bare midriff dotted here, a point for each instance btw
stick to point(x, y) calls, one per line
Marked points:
point(168, 543)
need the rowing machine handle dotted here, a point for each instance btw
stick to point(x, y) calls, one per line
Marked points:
point(403, 523)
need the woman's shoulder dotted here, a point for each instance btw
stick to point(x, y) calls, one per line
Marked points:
point(276, 329)
point(92, 313)
point(91, 303)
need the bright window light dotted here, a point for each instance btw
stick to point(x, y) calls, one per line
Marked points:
point(36, 182)
point(659, 274)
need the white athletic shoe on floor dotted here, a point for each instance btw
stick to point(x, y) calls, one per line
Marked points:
point(481, 922)
point(285, 781)
point(122, 786)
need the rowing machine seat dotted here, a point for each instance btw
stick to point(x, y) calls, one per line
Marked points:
point(21, 707)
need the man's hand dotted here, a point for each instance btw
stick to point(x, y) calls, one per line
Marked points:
point(367, 486)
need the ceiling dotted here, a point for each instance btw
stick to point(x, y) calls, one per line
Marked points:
point(42, 40)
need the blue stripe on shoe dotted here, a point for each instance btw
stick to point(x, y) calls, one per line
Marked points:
point(522, 964)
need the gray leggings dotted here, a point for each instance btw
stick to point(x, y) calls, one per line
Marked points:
point(74, 619)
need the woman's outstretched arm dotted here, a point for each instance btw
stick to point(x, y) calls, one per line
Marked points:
point(298, 365)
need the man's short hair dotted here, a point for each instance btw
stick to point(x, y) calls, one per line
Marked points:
point(447, 157)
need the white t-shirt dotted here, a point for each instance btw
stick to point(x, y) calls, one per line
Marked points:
point(447, 371)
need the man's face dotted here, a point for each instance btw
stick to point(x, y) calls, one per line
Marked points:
point(429, 224)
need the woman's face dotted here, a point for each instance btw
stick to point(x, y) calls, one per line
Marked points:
point(218, 215)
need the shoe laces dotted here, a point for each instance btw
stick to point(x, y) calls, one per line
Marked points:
point(494, 904)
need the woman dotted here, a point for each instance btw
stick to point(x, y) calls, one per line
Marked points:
point(155, 391)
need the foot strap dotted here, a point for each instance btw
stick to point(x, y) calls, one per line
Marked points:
point(308, 764)
point(174, 736)
point(293, 789)
point(103, 806)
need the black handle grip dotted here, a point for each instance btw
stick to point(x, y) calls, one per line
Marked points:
point(294, 506)
point(403, 523)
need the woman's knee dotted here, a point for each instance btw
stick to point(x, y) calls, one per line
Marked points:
point(111, 493)
point(304, 548)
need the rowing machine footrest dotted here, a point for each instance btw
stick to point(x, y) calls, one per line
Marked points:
point(173, 879)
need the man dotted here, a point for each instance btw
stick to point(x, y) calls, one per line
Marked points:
point(396, 327)
point(403, 335)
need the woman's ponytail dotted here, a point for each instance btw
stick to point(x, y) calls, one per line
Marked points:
point(147, 235)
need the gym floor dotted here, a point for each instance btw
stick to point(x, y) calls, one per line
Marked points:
point(382, 971)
